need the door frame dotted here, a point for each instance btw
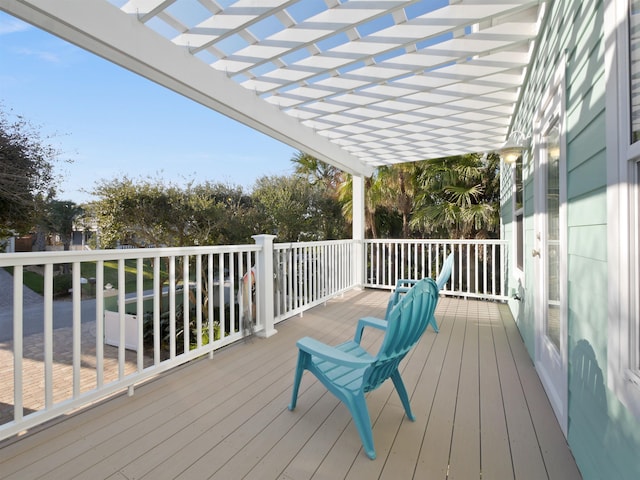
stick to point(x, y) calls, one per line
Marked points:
point(551, 364)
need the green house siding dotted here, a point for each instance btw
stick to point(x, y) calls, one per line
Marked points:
point(604, 437)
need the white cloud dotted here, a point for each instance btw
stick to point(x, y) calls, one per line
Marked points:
point(12, 25)
point(44, 55)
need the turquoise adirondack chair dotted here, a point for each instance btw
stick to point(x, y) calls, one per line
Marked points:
point(349, 371)
point(403, 285)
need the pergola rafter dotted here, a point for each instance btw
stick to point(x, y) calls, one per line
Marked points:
point(357, 83)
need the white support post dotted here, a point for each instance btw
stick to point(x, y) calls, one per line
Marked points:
point(264, 285)
point(358, 230)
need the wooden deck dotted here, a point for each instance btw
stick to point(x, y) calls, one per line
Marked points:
point(480, 412)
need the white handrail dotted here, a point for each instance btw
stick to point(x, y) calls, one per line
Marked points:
point(155, 301)
point(152, 292)
point(479, 266)
point(310, 273)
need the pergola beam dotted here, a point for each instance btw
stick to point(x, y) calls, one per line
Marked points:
point(103, 29)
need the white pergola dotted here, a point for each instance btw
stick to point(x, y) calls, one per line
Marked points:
point(356, 83)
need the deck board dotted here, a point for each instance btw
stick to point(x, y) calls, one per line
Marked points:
point(495, 460)
point(434, 457)
point(527, 459)
point(464, 459)
point(558, 460)
point(480, 410)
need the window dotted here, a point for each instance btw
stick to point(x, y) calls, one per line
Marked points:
point(518, 213)
point(634, 68)
point(622, 22)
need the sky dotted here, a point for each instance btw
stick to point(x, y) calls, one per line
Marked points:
point(110, 122)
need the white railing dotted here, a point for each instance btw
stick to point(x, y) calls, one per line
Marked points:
point(308, 274)
point(478, 272)
point(165, 307)
point(134, 313)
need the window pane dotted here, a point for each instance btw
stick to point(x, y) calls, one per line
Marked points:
point(520, 241)
point(636, 274)
point(518, 183)
point(552, 255)
point(634, 63)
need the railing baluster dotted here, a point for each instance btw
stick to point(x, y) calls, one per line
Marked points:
point(48, 335)
point(210, 297)
point(140, 314)
point(221, 310)
point(296, 280)
point(493, 277)
point(477, 270)
point(77, 327)
point(199, 301)
point(172, 307)
point(481, 251)
point(308, 274)
point(185, 304)
point(157, 301)
point(395, 261)
point(232, 311)
point(99, 286)
point(17, 343)
point(121, 317)
point(312, 274)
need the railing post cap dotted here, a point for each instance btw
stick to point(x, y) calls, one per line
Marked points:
point(263, 238)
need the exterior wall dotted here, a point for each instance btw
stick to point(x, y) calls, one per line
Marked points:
point(604, 437)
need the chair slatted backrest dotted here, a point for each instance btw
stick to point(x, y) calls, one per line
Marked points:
point(445, 272)
point(406, 324)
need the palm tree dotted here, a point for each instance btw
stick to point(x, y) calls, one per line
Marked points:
point(374, 196)
point(340, 186)
point(399, 183)
point(459, 196)
point(318, 172)
point(60, 217)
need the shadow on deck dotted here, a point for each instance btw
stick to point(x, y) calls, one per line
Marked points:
point(480, 412)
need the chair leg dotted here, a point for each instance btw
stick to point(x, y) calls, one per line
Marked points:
point(402, 393)
point(302, 361)
point(360, 413)
point(433, 323)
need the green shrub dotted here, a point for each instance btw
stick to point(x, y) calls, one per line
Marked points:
point(62, 284)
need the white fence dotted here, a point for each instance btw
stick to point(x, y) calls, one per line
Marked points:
point(478, 272)
point(183, 302)
point(307, 274)
point(133, 313)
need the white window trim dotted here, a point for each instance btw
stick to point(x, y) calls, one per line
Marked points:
point(623, 377)
point(518, 272)
point(552, 107)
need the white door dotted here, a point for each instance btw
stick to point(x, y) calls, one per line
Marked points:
point(550, 259)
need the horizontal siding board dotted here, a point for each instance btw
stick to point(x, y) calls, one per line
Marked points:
point(588, 209)
point(589, 242)
point(587, 141)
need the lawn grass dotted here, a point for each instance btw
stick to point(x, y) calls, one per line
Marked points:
point(30, 279)
point(62, 282)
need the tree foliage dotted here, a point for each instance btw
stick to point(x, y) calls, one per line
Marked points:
point(318, 172)
point(60, 216)
point(459, 196)
point(149, 212)
point(26, 173)
point(453, 197)
point(296, 210)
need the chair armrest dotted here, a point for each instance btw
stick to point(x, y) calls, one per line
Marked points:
point(405, 281)
point(331, 354)
point(368, 322)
